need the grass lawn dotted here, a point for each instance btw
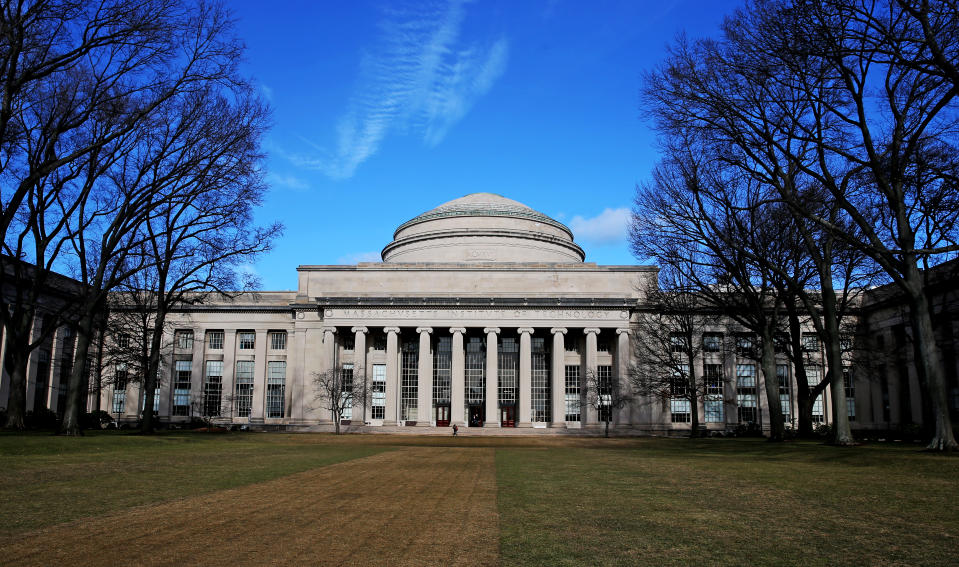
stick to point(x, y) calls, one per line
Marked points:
point(559, 501)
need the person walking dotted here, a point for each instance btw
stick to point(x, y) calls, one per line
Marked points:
point(456, 429)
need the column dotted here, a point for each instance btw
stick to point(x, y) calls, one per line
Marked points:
point(622, 373)
point(559, 377)
point(523, 396)
point(258, 410)
point(492, 377)
point(458, 392)
point(361, 382)
point(424, 383)
point(589, 412)
point(392, 374)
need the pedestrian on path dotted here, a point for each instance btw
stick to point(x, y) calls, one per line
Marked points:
point(456, 429)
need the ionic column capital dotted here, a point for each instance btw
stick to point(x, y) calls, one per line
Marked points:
point(591, 331)
point(422, 330)
point(622, 331)
point(329, 329)
point(489, 330)
point(555, 330)
point(395, 330)
point(360, 330)
point(460, 330)
point(525, 330)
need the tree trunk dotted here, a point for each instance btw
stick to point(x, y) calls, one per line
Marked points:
point(803, 399)
point(777, 429)
point(152, 367)
point(74, 403)
point(930, 367)
point(17, 363)
point(842, 433)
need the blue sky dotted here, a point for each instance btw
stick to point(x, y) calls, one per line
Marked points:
point(383, 110)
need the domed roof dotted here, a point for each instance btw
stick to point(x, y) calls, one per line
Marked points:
point(482, 228)
point(483, 205)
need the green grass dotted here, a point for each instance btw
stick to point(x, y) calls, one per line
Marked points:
point(46, 480)
point(729, 502)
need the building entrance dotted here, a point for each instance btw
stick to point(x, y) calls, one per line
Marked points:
point(441, 415)
point(507, 416)
point(476, 415)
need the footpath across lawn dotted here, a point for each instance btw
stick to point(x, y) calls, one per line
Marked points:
point(727, 502)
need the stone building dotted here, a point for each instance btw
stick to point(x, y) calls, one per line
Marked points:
point(483, 313)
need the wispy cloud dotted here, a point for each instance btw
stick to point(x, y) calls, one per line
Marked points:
point(267, 92)
point(288, 181)
point(608, 227)
point(358, 257)
point(421, 79)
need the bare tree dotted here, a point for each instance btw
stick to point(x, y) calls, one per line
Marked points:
point(339, 390)
point(607, 395)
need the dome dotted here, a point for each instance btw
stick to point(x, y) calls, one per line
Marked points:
point(483, 227)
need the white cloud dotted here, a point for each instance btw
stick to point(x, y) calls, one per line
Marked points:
point(421, 79)
point(358, 257)
point(289, 181)
point(267, 92)
point(608, 227)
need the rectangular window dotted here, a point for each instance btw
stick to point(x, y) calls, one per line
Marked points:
point(123, 340)
point(119, 389)
point(442, 371)
point(572, 346)
point(244, 388)
point(849, 383)
point(539, 383)
point(409, 380)
point(714, 393)
point(348, 342)
point(184, 339)
point(182, 382)
point(347, 391)
point(782, 375)
point(247, 339)
point(508, 370)
point(378, 402)
point(475, 371)
point(604, 382)
point(277, 340)
point(573, 389)
point(679, 392)
point(602, 344)
point(214, 340)
point(43, 380)
point(677, 343)
point(213, 388)
point(745, 345)
point(379, 341)
point(810, 342)
point(746, 393)
point(712, 342)
point(275, 388)
point(813, 375)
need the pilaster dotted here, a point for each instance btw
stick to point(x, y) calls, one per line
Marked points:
point(458, 392)
point(492, 377)
point(559, 377)
point(524, 395)
point(424, 386)
point(392, 374)
point(360, 379)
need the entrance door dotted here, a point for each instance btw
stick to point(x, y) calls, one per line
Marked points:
point(507, 416)
point(442, 416)
point(476, 416)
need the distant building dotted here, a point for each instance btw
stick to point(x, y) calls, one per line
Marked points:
point(483, 314)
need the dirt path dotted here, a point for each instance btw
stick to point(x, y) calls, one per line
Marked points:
point(410, 506)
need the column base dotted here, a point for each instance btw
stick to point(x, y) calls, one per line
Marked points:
point(423, 424)
point(525, 424)
point(558, 425)
point(491, 425)
point(390, 422)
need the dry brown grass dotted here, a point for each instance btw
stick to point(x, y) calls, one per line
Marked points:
point(413, 506)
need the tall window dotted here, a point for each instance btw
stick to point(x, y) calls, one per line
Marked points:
point(184, 339)
point(810, 342)
point(277, 340)
point(745, 345)
point(442, 371)
point(182, 378)
point(378, 402)
point(123, 340)
point(244, 387)
point(849, 383)
point(247, 340)
point(347, 391)
point(213, 388)
point(677, 343)
point(679, 391)
point(275, 388)
point(508, 371)
point(409, 376)
point(573, 389)
point(475, 371)
point(813, 376)
point(604, 380)
point(746, 393)
point(782, 375)
point(119, 388)
point(43, 380)
point(713, 402)
point(539, 381)
point(214, 340)
point(712, 342)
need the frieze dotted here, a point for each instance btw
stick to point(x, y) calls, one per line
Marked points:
point(477, 314)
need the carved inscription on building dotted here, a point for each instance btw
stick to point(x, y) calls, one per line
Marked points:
point(477, 314)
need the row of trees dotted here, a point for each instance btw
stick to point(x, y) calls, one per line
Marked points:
point(130, 160)
point(808, 153)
